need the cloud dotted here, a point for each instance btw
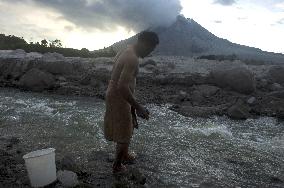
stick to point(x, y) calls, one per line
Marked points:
point(218, 21)
point(109, 14)
point(281, 21)
point(225, 2)
point(242, 18)
point(68, 28)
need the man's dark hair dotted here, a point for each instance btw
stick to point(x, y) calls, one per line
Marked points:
point(149, 37)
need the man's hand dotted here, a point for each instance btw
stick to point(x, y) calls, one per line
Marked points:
point(142, 112)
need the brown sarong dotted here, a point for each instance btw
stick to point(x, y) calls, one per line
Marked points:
point(118, 125)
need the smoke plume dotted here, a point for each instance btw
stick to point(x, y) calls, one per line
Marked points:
point(109, 14)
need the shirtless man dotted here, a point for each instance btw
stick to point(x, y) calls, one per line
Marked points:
point(121, 105)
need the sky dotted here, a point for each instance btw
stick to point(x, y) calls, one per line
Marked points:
point(95, 24)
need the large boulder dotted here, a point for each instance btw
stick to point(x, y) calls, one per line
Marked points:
point(240, 110)
point(57, 67)
point(276, 74)
point(12, 69)
point(271, 105)
point(239, 79)
point(207, 90)
point(37, 80)
point(55, 63)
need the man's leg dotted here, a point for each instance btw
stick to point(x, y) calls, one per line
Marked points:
point(121, 154)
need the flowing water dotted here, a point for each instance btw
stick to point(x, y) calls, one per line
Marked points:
point(175, 151)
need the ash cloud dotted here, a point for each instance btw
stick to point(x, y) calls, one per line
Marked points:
point(109, 14)
point(281, 21)
point(225, 2)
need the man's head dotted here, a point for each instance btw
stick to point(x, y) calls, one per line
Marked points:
point(147, 41)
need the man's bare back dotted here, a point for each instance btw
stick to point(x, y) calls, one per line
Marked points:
point(126, 66)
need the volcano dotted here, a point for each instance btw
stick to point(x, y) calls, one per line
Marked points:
point(185, 37)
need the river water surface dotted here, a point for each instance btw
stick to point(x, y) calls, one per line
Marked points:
point(174, 151)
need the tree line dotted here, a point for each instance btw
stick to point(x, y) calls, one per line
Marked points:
point(11, 42)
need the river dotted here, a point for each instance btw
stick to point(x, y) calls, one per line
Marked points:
point(175, 151)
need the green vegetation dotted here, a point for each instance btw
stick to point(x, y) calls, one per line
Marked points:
point(12, 42)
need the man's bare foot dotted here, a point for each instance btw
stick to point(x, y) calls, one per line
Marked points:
point(130, 159)
point(118, 168)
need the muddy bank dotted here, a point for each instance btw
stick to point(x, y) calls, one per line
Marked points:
point(195, 87)
point(96, 173)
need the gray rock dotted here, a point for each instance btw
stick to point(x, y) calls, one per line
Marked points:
point(68, 163)
point(58, 67)
point(276, 74)
point(19, 54)
point(11, 69)
point(150, 67)
point(251, 100)
point(207, 90)
point(137, 176)
point(239, 79)
point(196, 97)
point(270, 105)
point(182, 96)
point(263, 82)
point(148, 62)
point(187, 109)
point(51, 57)
point(276, 87)
point(239, 111)
point(67, 178)
point(37, 80)
point(277, 94)
point(61, 79)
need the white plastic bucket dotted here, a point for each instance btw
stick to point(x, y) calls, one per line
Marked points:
point(41, 167)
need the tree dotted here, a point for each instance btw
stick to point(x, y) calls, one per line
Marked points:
point(44, 42)
point(55, 43)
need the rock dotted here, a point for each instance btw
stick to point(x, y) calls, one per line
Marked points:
point(276, 87)
point(251, 100)
point(276, 74)
point(207, 90)
point(61, 79)
point(138, 176)
point(239, 79)
point(58, 67)
point(196, 97)
point(277, 94)
point(263, 83)
point(187, 109)
point(148, 62)
point(239, 110)
point(182, 96)
point(34, 55)
point(57, 64)
point(48, 57)
point(67, 178)
point(19, 53)
point(37, 80)
point(271, 106)
point(150, 67)
point(12, 69)
point(182, 93)
point(68, 163)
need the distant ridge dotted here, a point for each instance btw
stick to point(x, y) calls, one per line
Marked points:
point(185, 37)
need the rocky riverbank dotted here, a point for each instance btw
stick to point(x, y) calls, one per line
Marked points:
point(96, 173)
point(194, 87)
